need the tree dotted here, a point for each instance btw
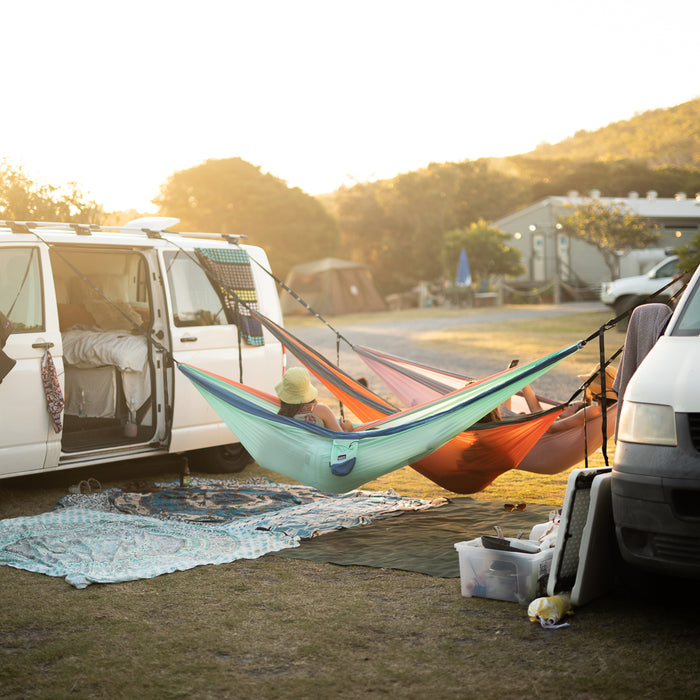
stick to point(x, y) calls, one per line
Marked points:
point(689, 256)
point(486, 249)
point(397, 226)
point(22, 199)
point(232, 196)
point(610, 228)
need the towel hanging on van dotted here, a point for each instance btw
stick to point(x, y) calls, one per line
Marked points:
point(230, 267)
point(312, 454)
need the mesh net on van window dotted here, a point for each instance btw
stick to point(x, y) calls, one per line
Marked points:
point(230, 267)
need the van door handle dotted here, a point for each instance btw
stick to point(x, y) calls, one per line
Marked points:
point(46, 346)
point(188, 339)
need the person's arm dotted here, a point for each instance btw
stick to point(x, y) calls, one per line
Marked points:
point(533, 403)
point(587, 413)
point(329, 420)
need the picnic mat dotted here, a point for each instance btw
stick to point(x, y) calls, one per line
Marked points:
point(117, 535)
point(421, 541)
point(258, 503)
point(91, 546)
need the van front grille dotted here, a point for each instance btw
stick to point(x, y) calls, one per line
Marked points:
point(677, 548)
point(694, 427)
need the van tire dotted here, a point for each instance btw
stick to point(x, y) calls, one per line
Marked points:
point(223, 459)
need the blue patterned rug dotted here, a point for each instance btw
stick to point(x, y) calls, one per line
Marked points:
point(118, 535)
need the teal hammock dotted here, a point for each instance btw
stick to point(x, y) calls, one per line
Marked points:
point(337, 462)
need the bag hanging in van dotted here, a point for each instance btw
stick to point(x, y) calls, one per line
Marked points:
point(6, 328)
point(6, 362)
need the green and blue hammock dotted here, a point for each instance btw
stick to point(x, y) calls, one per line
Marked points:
point(337, 462)
point(470, 461)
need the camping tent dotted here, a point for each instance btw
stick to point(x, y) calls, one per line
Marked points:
point(332, 286)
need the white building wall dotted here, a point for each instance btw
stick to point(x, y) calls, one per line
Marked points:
point(535, 235)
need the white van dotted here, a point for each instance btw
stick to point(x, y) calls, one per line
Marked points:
point(112, 308)
point(656, 469)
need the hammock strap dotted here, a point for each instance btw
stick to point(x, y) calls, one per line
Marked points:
point(585, 439)
point(604, 396)
point(239, 338)
point(593, 377)
point(337, 364)
point(289, 290)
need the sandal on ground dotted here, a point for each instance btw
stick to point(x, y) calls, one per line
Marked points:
point(81, 487)
point(94, 484)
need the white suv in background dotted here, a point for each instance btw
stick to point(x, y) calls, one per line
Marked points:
point(628, 292)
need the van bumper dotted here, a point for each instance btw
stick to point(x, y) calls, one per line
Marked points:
point(656, 505)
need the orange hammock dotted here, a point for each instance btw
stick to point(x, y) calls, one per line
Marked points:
point(554, 452)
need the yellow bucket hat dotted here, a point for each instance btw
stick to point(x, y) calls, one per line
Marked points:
point(296, 387)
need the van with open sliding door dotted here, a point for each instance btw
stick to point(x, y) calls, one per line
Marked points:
point(99, 317)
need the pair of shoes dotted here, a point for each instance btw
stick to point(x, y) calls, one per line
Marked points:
point(90, 485)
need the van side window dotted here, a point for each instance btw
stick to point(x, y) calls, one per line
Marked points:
point(21, 298)
point(689, 321)
point(195, 303)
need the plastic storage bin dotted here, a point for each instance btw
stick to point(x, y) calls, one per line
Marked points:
point(503, 575)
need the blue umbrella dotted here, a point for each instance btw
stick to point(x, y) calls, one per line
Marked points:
point(464, 275)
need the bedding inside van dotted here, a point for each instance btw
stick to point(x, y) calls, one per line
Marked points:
point(86, 348)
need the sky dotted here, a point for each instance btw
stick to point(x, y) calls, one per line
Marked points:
point(118, 96)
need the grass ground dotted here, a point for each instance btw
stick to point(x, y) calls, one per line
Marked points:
point(280, 628)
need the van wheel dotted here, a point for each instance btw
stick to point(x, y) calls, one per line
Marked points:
point(224, 459)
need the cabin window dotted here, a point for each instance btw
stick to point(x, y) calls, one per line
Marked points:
point(21, 297)
point(195, 303)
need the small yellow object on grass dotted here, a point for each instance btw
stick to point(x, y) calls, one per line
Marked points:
point(549, 611)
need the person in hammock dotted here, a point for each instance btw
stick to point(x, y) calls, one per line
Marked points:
point(575, 414)
point(297, 397)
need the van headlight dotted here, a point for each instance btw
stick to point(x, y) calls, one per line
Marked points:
point(647, 423)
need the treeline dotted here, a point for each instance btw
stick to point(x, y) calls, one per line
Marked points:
point(658, 138)
point(398, 227)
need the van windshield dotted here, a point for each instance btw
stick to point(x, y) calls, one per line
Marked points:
point(689, 320)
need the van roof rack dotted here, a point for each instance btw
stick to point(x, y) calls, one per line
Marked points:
point(152, 227)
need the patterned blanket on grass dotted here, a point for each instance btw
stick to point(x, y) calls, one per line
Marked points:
point(120, 535)
point(297, 510)
point(90, 546)
point(216, 501)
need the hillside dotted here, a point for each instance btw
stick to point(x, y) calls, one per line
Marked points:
point(658, 138)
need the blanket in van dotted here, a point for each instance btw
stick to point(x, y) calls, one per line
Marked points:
point(87, 348)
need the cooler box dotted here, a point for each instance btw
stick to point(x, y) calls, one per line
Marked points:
point(519, 577)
